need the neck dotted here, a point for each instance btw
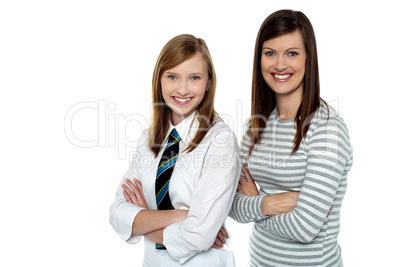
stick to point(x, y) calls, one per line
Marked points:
point(176, 118)
point(287, 106)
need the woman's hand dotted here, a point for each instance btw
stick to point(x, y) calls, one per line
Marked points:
point(134, 193)
point(247, 185)
point(272, 205)
point(279, 203)
point(220, 238)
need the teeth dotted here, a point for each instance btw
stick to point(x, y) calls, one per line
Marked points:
point(282, 76)
point(182, 99)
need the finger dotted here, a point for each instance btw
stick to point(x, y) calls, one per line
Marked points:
point(242, 180)
point(244, 169)
point(221, 238)
point(125, 191)
point(130, 193)
point(242, 177)
point(218, 243)
point(223, 231)
point(139, 185)
point(131, 184)
point(329, 212)
point(240, 189)
point(248, 176)
point(135, 189)
point(246, 173)
point(139, 193)
point(140, 196)
point(127, 196)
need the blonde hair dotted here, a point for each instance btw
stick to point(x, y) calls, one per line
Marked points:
point(178, 50)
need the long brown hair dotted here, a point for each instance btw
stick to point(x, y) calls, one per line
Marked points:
point(178, 50)
point(263, 99)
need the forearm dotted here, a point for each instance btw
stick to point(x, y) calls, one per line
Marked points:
point(155, 236)
point(279, 203)
point(301, 223)
point(148, 221)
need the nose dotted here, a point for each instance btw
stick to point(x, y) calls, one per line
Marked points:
point(280, 64)
point(183, 88)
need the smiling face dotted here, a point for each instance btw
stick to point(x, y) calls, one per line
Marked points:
point(283, 62)
point(184, 87)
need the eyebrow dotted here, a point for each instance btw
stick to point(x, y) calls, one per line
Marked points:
point(174, 73)
point(291, 48)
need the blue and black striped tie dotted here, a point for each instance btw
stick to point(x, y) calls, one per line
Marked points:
point(164, 172)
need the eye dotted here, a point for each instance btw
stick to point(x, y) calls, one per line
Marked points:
point(269, 53)
point(171, 77)
point(292, 54)
point(195, 78)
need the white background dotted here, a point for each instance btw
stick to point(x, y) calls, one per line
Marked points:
point(57, 55)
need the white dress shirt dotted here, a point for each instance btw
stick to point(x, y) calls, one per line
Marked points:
point(203, 182)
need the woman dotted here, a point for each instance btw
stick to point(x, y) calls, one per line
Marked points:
point(294, 142)
point(179, 200)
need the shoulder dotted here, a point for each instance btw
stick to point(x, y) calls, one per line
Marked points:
point(220, 128)
point(142, 141)
point(328, 124)
point(246, 136)
point(327, 116)
point(144, 135)
point(220, 133)
point(328, 136)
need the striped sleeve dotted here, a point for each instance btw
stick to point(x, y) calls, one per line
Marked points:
point(246, 209)
point(329, 157)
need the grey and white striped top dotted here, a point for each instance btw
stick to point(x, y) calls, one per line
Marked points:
point(307, 236)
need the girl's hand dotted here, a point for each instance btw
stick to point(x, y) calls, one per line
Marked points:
point(247, 185)
point(220, 238)
point(134, 193)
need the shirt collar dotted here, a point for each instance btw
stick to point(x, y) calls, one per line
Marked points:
point(186, 128)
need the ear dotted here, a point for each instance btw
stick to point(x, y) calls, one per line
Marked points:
point(209, 82)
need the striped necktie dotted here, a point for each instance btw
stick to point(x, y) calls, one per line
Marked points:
point(164, 172)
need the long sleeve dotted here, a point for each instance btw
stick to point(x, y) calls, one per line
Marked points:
point(329, 158)
point(246, 209)
point(123, 213)
point(211, 200)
